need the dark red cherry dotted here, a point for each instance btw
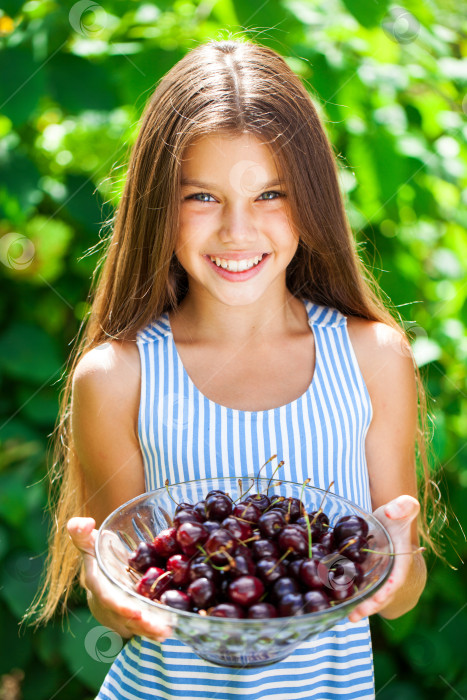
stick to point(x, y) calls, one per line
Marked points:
point(202, 592)
point(260, 500)
point(166, 542)
point(154, 582)
point(200, 568)
point(219, 542)
point(145, 556)
point(227, 610)
point(200, 508)
point(319, 519)
point(218, 506)
point(327, 540)
point(315, 601)
point(239, 529)
point(211, 525)
point(271, 523)
point(350, 526)
point(292, 537)
point(264, 548)
point(319, 551)
point(246, 590)
point(179, 565)
point(283, 586)
point(294, 568)
point(353, 547)
point(315, 530)
point(311, 575)
point(247, 511)
point(269, 570)
point(342, 592)
point(186, 516)
point(183, 506)
point(190, 535)
point(262, 611)
point(243, 564)
point(291, 604)
point(176, 599)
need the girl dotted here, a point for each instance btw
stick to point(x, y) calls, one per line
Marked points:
point(233, 320)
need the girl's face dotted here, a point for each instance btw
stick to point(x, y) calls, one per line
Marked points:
point(235, 239)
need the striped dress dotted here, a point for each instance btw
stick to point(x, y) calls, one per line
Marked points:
point(321, 435)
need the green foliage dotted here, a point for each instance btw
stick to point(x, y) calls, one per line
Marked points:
point(390, 83)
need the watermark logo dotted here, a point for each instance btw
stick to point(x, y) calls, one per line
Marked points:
point(247, 176)
point(103, 644)
point(401, 26)
point(87, 18)
point(337, 572)
point(16, 251)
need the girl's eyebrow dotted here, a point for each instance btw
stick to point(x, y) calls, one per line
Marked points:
point(207, 185)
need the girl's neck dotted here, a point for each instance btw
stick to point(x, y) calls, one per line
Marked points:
point(208, 321)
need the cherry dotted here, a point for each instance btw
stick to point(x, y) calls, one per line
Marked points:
point(315, 601)
point(211, 525)
point(283, 586)
point(227, 610)
point(247, 511)
point(202, 592)
point(246, 590)
point(319, 519)
point(352, 548)
point(319, 551)
point(260, 500)
point(327, 540)
point(144, 556)
point(218, 506)
point(293, 538)
point(218, 546)
point(200, 508)
point(176, 599)
point(179, 565)
point(294, 568)
point(291, 604)
point(271, 523)
point(269, 570)
point(310, 573)
point(190, 535)
point(243, 564)
point(154, 582)
point(200, 568)
point(187, 516)
point(315, 530)
point(166, 542)
point(264, 548)
point(183, 506)
point(237, 528)
point(350, 526)
point(262, 611)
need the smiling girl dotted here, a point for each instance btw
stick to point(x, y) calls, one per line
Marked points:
point(233, 320)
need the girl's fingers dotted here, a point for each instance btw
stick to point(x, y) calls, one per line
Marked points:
point(83, 534)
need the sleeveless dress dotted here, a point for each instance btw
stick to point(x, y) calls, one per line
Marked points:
point(321, 435)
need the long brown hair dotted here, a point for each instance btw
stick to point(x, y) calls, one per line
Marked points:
point(234, 87)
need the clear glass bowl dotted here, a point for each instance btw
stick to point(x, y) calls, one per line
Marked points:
point(223, 641)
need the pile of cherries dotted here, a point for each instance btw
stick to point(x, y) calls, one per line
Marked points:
point(263, 557)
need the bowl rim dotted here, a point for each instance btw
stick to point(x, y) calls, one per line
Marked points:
point(351, 602)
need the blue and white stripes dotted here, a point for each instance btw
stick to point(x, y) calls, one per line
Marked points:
point(321, 436)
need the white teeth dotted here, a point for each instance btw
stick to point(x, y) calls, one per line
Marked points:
point(237, 265)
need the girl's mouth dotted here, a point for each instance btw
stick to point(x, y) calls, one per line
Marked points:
point(237, 270)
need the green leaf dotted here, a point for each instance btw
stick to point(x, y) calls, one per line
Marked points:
point(28, 353)
point(22, 84)
point(369, 13)
point(19, 191)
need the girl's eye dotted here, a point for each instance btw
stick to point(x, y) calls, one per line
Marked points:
point(199, 194)
point(279, 194)
point(206, 194)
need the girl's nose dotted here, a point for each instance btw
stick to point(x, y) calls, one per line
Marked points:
point(238, 224)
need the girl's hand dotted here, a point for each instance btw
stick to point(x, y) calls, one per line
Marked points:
point(108, 607)
point(397, 517)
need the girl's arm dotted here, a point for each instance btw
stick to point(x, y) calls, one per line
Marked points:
point(105, 401)
point(386, 363)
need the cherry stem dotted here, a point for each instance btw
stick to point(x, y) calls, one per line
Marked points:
point(326, 493)
point(169, 494)
point(281, 463)
point(269, 571)
point(248, 489)
point(166, 573)
point(257, 476)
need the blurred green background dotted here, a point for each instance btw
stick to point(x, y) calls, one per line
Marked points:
point(390, 83)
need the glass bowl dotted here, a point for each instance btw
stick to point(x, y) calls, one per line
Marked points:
point(227, 641)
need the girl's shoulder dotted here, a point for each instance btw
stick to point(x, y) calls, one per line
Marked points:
point(111, 368)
